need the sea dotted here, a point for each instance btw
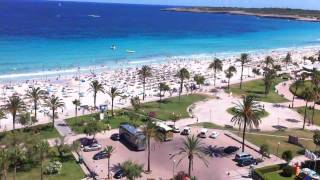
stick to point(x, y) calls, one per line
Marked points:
point(50, 37)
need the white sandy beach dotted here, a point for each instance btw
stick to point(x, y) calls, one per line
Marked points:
point(70, 87)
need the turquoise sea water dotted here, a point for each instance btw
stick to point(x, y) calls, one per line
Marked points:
point(44, 36)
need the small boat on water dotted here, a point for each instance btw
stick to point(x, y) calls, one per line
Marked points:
point(94, 16)
point(113, 47)
point(130, 51)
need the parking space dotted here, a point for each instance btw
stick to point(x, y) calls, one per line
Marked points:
point(221, 166)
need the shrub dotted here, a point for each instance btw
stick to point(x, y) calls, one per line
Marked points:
point(264, 150)
point(287, 155)
point(53, 168)
point(287, 171)
point(301, 151)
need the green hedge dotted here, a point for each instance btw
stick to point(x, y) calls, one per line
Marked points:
point(261, 171)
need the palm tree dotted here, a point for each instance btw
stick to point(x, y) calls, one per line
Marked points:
point(35, 95)
point(92, 128)
point(247, 113)
point(17, 155)
point(216, 65)
point(135, 103)
point(76, 104)
point(113, 93)
point(256, 72)
point(4, 162)
point(268, 61)
point(244, 59)
point(175, 117)
point(163, 87)
point(199, 79)
point(150, 131)
point(192, 147)
point(54, 103)
point(96, 87)
point(308, 95)
point(109, 150)
point(42, 148)
point(132, 170)
point(144, 73)
point(316, 98)
point(315, 77)
point(287, 59)
point(297, 84)
point(229, 73)
point(269, 76)
point(182, 75)
point(14, 105)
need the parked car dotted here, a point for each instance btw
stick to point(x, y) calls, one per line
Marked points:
point(214, 134)
point(115, 137)
point(186, 131)
point(175, 129)
point(203, 133)
point(230, 149)
point(247, 162)
point(87, 141)
point(100, 155)
point(119, 174)
point(242, 155)
point(92, 147)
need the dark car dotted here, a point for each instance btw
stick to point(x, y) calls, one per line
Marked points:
point(115, 137)
point(87, 141)
point(247, 162)
point(119, 174)
point(230, 149)
point(100, 155)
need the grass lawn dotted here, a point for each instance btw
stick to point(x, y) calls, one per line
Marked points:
point(276, 175)
point(210, 125)
point(300, 110)
point(44, 131)
point(170, 105)
point(78, 124)
point(263, 114)
point(302, 88)
point(256, 88)
point(70, 170)
point(273, 172)
point(272, 141)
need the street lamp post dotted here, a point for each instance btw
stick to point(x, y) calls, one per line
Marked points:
point(278, 149)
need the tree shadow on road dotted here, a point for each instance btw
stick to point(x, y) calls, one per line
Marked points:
point(214, 151)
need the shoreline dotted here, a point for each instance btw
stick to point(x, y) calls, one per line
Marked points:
point(136, 63)
point(242, 12)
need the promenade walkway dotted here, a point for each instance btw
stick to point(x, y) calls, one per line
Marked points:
point(284, 89)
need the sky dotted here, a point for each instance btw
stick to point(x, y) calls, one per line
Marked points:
point(300, 4)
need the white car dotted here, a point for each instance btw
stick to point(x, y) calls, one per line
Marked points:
point(186, 131)
point(92, 147)
point(175, 129)
point(214, 134)
point(203, 133)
